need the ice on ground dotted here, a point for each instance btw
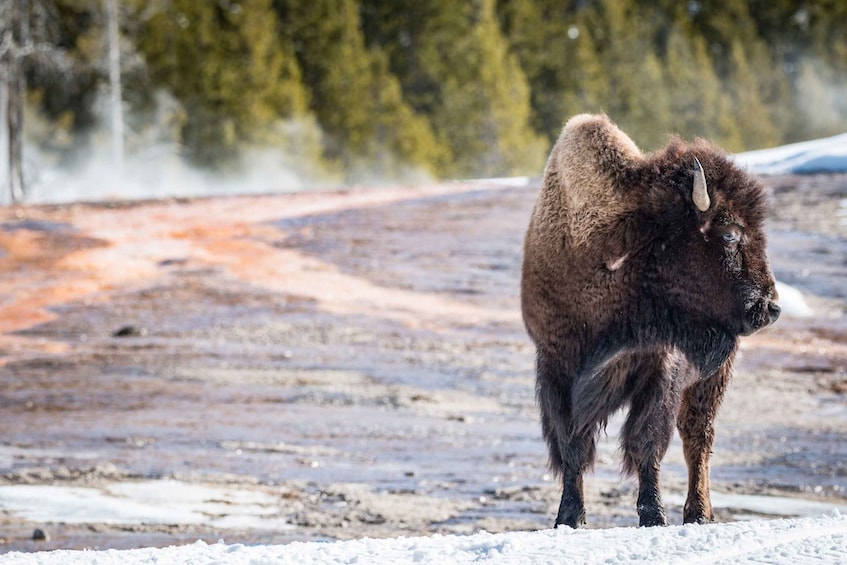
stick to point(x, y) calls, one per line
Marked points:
point(149, 502)
point(767, 505)
point(822, 536)
point(502, 181)
point(826, 155)
point(799, 540)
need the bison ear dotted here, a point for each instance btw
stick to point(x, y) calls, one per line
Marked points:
point(700, 193)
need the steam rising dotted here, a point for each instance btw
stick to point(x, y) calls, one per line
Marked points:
point(155, 166)
point(160, 172)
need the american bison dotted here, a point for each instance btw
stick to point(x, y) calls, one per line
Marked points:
point(640, 272)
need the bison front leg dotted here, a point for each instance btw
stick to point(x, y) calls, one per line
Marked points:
point(647, 434)
point(696, 424)
point(572, 506)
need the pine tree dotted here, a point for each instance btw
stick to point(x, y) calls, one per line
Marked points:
point(734, 37)
point(537, 50)
point(462, 89)
point(227, 65)
point(367, 122)
point(827, 62)
point(586, 86)
point(331, 53)
point(698, 104)
point(403, 144)
point(753, 118)
point(636, 97)
point(817, 112)
point(455, 67)
point(552, 42)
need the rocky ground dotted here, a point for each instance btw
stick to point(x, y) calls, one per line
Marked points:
point(352, 364)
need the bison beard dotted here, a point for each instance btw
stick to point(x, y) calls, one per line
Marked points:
point(639, 274)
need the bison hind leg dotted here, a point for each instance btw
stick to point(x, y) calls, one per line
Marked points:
point(568, 459)
point(577, 457)
point(570, 455)
point(572, 413)
point(548, 431)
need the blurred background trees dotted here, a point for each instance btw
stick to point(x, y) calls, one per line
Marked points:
point(397, 89)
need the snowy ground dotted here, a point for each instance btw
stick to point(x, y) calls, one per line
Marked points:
point(811, 540)
point(827, 155)
point(440, 305)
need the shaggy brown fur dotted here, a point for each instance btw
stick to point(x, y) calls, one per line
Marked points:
point(635, 297)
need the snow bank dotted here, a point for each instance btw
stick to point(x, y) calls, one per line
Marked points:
point(792, 302)
point(827, 155)
point(801, 540)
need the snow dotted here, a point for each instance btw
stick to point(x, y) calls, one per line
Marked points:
point(827, 155)
point(799, 540)
point(174, 502)
point(766, 505)
point(820, 535)
point(147, 502)
point(792, 302)
point(501, 181)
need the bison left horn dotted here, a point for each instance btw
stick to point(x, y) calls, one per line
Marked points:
point(699, 194)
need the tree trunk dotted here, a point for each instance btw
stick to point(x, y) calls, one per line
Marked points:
point(14, 124)
point(4, 130)
point(15, 98)
point(115, 86)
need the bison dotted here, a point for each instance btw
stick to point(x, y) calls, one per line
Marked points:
point(640, 272)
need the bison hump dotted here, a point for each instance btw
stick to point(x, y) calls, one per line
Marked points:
point(583, 179)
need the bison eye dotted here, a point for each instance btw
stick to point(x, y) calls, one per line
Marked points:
point(730, 236)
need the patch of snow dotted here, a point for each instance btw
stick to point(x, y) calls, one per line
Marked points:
point(792, 302)
point(768, 505)
point(799, 540)
point(502, 181)
point(150, 502)
point(826, 155)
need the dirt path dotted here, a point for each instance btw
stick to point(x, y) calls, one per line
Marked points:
point(347, 365)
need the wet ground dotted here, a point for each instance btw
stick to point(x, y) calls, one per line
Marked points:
point(300, 367)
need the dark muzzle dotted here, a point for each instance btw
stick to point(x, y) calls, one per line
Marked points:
point(763, 313)
point(773, 311)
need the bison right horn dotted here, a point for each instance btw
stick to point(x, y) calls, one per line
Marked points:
point(699, 194)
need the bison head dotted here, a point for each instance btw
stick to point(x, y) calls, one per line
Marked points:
point(712, 249)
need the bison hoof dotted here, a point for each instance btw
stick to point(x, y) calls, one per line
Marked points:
point(696, 519)
point(570, 524)
point(571, 519)
point(697, 513)
point(654, 518)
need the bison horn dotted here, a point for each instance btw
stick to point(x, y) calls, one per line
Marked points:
point(699, 194)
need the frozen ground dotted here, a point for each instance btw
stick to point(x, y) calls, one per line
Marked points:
point(820, 540)
point(317, 367)
point(827, 155)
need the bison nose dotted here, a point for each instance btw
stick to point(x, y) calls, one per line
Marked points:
point(761, 314)
point(774, 311)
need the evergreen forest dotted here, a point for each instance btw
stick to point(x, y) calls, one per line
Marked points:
point(352, 90)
